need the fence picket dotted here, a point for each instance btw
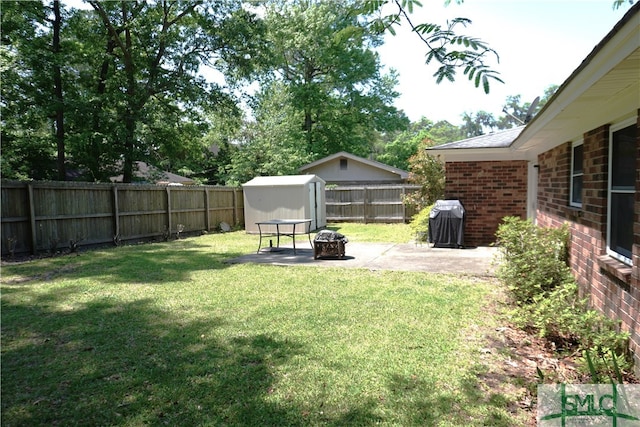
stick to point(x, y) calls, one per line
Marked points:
point(47, 215)
point(42, 216)
point(383, 203)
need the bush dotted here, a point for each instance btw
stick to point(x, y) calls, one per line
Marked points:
point(565, 320)
point(420, 224)
point(534, 258)
point(534, 268)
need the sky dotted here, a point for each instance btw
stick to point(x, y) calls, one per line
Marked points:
point(539, 43)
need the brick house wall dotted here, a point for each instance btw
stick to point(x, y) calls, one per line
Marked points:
point(489, 191)
point(611, 286)
point(635, 274)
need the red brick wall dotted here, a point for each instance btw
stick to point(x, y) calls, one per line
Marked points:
point(489, 191)
point(612, 287)
point(635, 276)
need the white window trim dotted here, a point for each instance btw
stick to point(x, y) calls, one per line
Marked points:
point(574, 145)
point(612, 129)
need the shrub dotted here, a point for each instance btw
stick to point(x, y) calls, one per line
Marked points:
point(420, 224)
point(534, 258)
point(427, 171)
point(534, 268)
point(565, 319)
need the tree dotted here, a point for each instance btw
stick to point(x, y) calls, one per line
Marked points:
point(33, 106)
point(118, 83)
point(522, 113)
point(158, 50)
point(443, 132)
point(516, 114)
point(398, 152)
point(274, 146)
point(56, 50)
point(325, 58)
point(28, 147)
point(475, 124)
point(428, 172)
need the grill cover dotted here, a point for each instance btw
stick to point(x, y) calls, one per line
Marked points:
point(446, 224)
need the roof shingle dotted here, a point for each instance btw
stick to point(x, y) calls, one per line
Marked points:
point(501, 139)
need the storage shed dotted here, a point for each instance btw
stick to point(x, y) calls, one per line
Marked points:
point(284, 197)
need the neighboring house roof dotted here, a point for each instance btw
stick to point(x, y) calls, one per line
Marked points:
point(603, 89)
point(284, 180)
point(402, 174)
point(151, 174)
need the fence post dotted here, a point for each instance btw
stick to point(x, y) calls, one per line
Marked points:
point(207, 218)
point(169, 209)
point(116, 211)
point(365, 204)
point(235, 207)
point(404, 207)
point(32, 219)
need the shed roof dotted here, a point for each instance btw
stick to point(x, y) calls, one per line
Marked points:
point(270, 181)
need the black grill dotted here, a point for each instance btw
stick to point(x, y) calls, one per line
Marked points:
point(446, 224)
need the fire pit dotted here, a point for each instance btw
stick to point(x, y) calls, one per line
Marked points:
point(329, 243)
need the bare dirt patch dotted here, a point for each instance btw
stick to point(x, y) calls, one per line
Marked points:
point(514, 359)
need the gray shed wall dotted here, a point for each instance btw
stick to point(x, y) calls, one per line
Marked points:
point(286, 201)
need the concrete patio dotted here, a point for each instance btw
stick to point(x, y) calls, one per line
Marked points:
point(476, 261)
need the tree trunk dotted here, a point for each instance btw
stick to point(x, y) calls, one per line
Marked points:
point(129, 119)
point(308, 124)
point(59, 97)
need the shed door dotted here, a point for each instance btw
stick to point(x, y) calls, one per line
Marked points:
point(313, 205)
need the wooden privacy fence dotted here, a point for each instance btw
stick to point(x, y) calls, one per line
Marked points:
point(43, 216)
point(368, 204)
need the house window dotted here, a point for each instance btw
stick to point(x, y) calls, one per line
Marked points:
point(622, 175)
point(343, 164)
point(576, 174)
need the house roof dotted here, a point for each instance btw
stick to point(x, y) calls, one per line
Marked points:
point(603, 89)
point(344, 155)
point(284, 180)
point(500, 139)
point(150, 173)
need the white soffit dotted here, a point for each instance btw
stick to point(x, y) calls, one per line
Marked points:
point(605, 90)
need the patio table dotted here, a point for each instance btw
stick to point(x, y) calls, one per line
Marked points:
point(292, 223)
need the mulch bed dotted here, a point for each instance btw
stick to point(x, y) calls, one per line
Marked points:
point(514, 357)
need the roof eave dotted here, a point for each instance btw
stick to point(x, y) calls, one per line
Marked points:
point(620, 43)
point(478, 154)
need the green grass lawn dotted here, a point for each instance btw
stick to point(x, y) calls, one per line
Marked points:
point(169, 334)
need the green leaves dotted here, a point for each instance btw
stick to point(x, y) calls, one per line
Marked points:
point(533, 266)
point(323, 55)
point(129, 79)
point(408, 5)
point(617, 4)
point(444, 44)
